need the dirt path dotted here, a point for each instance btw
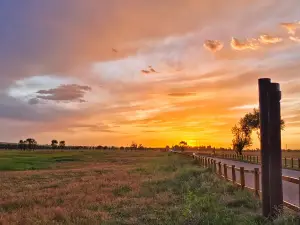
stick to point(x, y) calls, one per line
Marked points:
point(290, 190)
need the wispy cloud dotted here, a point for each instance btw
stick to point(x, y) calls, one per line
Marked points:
point(68, 93)
point(181, 94)
point(149, 70)
point(250, 106)
point(251, 44)
point(145, 71)
point(213, 45)
point(291, 27)
point(152, 70)
point(267, 39)
point(295, 39)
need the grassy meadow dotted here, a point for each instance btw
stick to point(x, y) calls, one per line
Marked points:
point(102, 187)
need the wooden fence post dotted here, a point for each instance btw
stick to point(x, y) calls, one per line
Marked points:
point(225, 171)
point(233, 174)
point(276, 191)
point(285, 162)
point(257, 159)
point(220, 168)
point(256, 181)
point(215, 166)
point(299, 163)
point(299, 190)
point(242, 176)
point(292, 163)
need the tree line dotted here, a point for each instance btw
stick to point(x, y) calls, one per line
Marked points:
point(31, 144)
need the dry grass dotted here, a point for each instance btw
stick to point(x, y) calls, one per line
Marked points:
point(80, 193)
point(123, 188)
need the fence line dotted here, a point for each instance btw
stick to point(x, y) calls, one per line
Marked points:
point(289, 163)
point(208, 162)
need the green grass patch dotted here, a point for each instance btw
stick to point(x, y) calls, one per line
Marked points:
point(198, 197)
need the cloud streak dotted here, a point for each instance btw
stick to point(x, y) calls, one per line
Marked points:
point(66, 93)
point(182, 94)
point(291, 27)
point(267, 39)
point(213, 45)
point(295, 39)
point(249, 44)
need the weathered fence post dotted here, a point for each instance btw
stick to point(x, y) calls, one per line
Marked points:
point(225, 171)
point(285, 165)
point(233, 174)
point(263, 85)
point(299, 190)
point(215, 166)
point(298, 163)
point(220, 168)
point(276, 191)
point(292, 163)
point(242, 176)
point(256, 181)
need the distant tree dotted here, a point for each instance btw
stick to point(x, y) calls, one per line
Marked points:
point(31, 143)
point(240, 140)
point(183, 145)
point(62, 144)
point(22, 145)
point(54, 144)
point(167, 148)
point(133, 146)
point(122, 148)
point(141, 147)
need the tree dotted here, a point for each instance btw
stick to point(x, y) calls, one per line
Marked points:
point(31, 143)
point(133, 146)
point(167, 148)
point(243, 131)
point(141, 147)
point(183, 145)
point(62, 144)
point(241, 139)
point(54, 144)
point(250, 122)
point(22, 145)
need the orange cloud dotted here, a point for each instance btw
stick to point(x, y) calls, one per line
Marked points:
point(267, 39)
point(295, 39)
point(181, 94)
point(251, 44)
point(213, 45)
point(291, 27)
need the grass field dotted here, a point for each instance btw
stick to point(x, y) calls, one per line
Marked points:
point(119, 188)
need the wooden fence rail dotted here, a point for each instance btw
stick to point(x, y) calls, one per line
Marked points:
point(289, 163)
point(222, 171)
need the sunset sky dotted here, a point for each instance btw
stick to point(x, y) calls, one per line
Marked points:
point(155, 72)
